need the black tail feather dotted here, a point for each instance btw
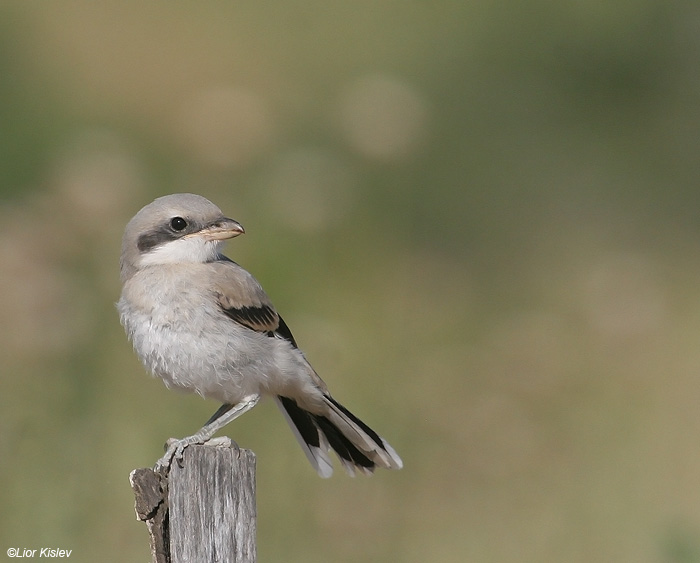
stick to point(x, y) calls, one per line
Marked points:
point(341, 445)
point(317, 433)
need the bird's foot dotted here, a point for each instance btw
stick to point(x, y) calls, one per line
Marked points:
point(175, 449)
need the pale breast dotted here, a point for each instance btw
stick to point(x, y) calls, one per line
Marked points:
point(181, 335)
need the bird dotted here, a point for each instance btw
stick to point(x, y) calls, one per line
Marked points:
point(203, 324)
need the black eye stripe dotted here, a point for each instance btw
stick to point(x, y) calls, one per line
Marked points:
point(154, 238)
point(168, 231)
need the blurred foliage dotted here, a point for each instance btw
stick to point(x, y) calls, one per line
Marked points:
point(479, 219)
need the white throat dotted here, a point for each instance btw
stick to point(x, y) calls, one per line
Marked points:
point(186, 249)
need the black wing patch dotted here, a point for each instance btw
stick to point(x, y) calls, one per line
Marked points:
point(262, 318)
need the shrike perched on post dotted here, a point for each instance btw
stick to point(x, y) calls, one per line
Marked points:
point(202, 323)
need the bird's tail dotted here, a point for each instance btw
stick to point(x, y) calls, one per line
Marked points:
point(358, 446)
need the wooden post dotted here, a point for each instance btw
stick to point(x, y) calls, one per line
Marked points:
point(204, 510)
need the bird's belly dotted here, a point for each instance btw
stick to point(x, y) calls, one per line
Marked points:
point(195, 354)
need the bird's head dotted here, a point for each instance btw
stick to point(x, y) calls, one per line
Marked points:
point(174, 229)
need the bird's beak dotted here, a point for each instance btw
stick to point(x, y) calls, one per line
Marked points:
point(221, 230)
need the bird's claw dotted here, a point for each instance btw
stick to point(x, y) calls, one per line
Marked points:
point(174, 450)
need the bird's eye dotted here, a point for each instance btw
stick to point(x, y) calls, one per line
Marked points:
point(178, 223)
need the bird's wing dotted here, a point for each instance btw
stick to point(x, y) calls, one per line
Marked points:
point(242, 298)
point(318, 428)
point(244, 301)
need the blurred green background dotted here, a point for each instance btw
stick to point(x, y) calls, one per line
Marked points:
point(480, 220)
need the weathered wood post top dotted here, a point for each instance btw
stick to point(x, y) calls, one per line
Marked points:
point(204, 509)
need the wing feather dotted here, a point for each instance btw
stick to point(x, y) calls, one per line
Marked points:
point(243, 300)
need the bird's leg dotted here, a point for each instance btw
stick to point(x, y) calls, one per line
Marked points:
point(223, 409)
point(221, 418)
